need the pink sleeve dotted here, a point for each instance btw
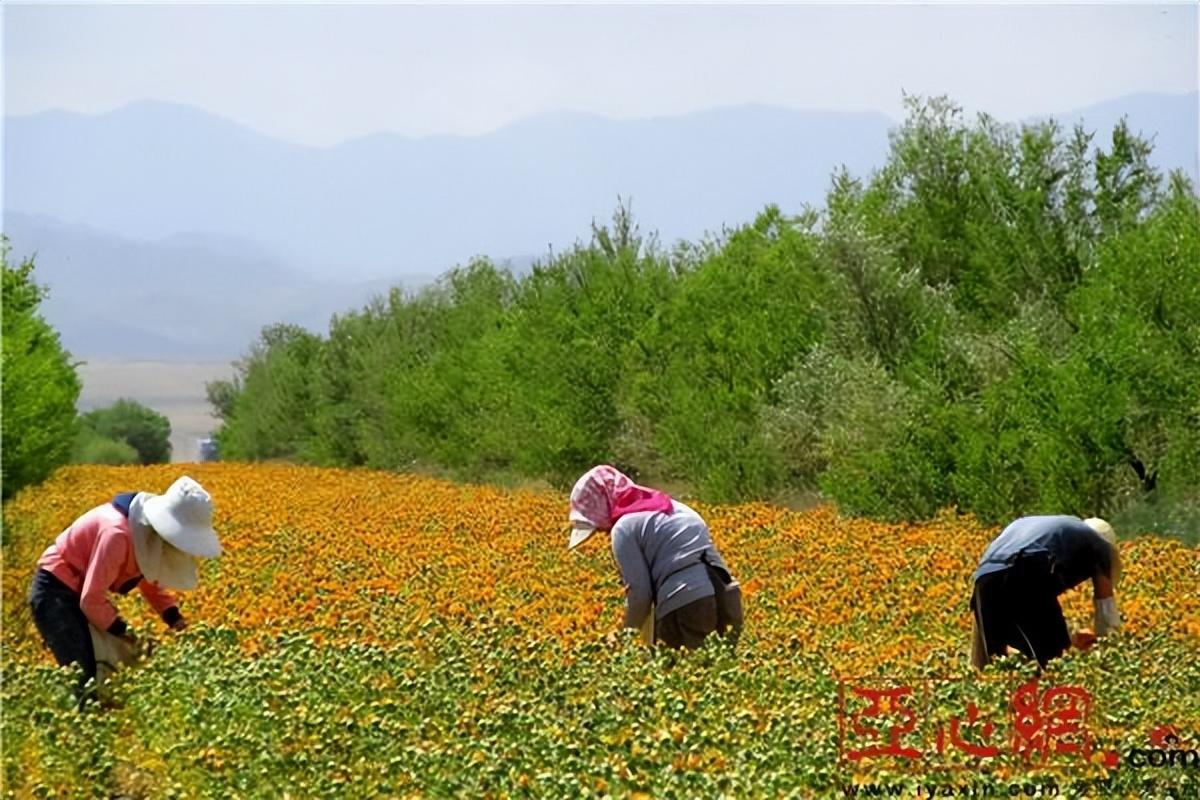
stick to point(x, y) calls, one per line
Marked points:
point(159, 599)
point(103, 568)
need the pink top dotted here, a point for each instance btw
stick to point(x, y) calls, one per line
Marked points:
point(95, 556)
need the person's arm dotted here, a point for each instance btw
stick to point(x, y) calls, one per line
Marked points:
point(105, 564)
point(163, 602)
point(635, 574)
point(1107, 616)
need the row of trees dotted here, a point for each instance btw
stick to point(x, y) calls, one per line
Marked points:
point(40, 386)
point(41, 430)
point(999, 319)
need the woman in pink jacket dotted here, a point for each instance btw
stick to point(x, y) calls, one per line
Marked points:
point(151, 542)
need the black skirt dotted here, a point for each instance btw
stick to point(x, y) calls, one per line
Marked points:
point(1018, 607)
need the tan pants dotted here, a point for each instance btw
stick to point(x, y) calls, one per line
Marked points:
point(979, 654)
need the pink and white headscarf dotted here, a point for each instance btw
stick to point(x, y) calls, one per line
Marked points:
point(605, 494)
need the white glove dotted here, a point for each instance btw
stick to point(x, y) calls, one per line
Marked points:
point(1108, 618)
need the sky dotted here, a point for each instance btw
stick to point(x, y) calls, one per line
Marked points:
point(323, 74)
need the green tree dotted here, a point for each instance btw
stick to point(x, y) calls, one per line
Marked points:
point(92, 448)
point(144, 429)
point(268, 407)
point(1000, 319)
point(574, 322)
point(1138, 319)
point(39, 381)
point(705, 364)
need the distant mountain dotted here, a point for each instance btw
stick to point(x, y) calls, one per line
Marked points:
point(164, 231)
point(387, 205)
point(187, 297)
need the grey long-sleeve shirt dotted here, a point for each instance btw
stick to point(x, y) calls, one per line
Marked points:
point(659, 558)
point(1071, 551)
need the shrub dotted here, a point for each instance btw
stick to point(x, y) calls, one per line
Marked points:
point(92, 448)
point(142, 428)
point(40, 385)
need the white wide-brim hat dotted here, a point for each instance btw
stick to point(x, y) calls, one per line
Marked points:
point(183, 517)
point(171, 531)
point(581, 530)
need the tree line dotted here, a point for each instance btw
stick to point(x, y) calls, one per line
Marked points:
point(41, 429)
point(999, 319)
point(1004, 320)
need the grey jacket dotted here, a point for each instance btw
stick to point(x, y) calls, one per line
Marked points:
point(659, 556)
point(1070, 551)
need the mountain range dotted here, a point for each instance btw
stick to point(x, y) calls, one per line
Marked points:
point(164, 231)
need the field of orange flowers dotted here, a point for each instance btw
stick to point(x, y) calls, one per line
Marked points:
point(374, 634)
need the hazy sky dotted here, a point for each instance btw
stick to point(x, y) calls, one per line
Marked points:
point(320, 74)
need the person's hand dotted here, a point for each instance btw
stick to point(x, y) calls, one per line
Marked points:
point(1083, 638)
point(129, 637)
point(179, 625)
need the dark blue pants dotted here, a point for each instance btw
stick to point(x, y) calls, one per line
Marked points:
point(62, 624)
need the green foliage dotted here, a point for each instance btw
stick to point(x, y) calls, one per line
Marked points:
point(202, 719)
point(268, 408)
point(1168, 516)
point(1000, 319)
point(1138, 313)
point(139, 427)
point(735, 322)
point(846, 425)
point(40, 385)
point(576, 322)
point(92, 448)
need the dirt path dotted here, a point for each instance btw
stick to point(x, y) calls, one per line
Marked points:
point(175, 389)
